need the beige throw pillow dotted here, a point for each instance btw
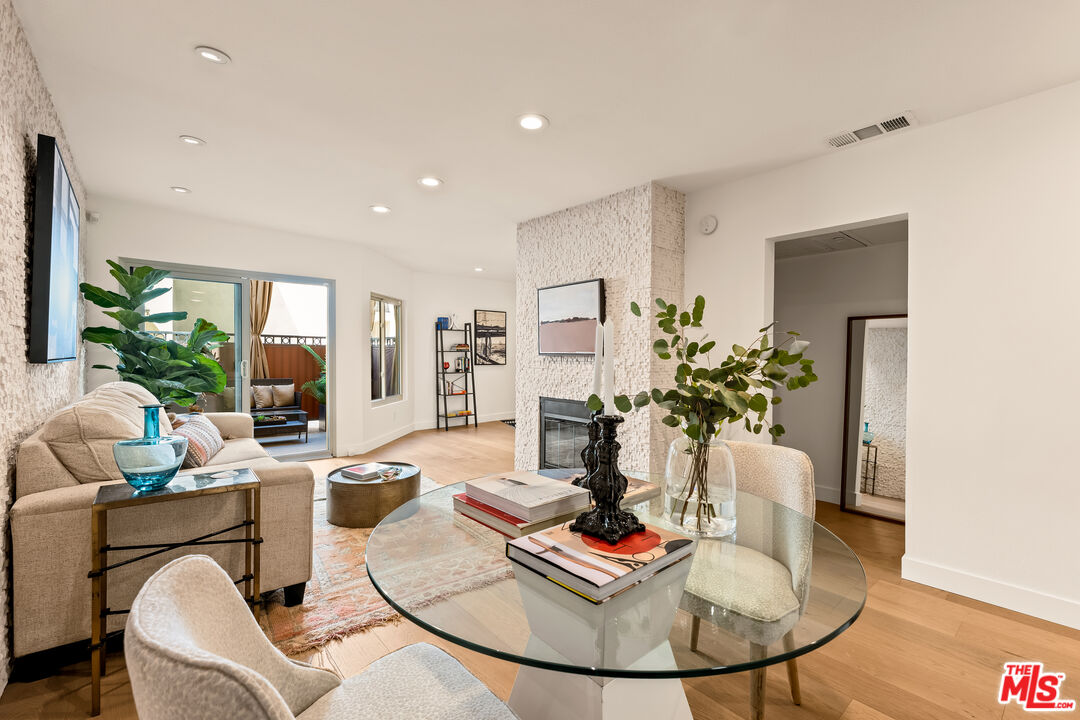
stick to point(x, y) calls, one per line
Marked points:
point(284, 394)
point(262, 395)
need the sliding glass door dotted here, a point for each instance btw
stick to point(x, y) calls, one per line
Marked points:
point(223, 303)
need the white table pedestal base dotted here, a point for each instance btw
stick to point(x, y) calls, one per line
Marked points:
point(549, 695)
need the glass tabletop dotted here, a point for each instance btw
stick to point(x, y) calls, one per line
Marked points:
point(783, 586)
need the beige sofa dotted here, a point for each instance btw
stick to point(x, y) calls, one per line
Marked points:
point(58, 472)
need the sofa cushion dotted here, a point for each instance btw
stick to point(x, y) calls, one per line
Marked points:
point(262, 396)
point(238, 450)
point(204, 441)
point(283, 394)
point(82, 434)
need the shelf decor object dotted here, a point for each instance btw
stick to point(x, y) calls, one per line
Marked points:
point(867, 434)
point(588, 453)
point(607, 485)
point(150, 462)
point(454, 378)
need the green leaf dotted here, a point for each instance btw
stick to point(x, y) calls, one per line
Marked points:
point(707, 347)
point(127, 318)
point(670, 421)
point(767, 327)
point(793, 383)
point(635, 309)
point(100, 335)
point(657, 396)
point(164, 317)
point(699, 308)
point(641, 399)
point(738, 350)
point(757, 428)
point(759, 403)
point(693, 431)
point(661, 304)
point(664, 356)
point(594, 403)
point(104, 298)
point(776, 399)
point(684, 318)
point(623, 403)
point(660, 345)
point(102, 367)
point(774, 372)
point(691, 349)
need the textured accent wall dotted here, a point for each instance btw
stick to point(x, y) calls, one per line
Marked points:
point(29, 392)
point(885, 406)
point(634, 241)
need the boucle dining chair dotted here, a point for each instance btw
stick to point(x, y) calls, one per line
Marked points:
point(194, 651)
point(762, 582)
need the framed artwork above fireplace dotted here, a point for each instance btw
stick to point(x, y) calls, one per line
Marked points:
point(568, 315)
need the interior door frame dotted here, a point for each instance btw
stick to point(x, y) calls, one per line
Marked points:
point(243, 277)
point(848, 433)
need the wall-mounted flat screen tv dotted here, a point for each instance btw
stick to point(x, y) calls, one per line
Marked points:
point(54, 271)
point(568, 317)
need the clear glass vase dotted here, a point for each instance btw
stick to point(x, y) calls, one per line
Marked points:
point(699, 487)
point(150, 462)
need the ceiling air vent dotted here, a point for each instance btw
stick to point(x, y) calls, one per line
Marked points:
point(872, 131)
point(842, 140)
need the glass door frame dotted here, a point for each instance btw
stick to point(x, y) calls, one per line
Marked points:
point(244, 278)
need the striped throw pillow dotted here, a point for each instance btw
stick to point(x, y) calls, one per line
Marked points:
point(203, 441)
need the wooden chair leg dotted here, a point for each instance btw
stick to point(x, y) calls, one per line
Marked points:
point(757, 684)
point(695, 628)
point(792, 671)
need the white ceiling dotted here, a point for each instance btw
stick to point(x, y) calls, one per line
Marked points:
point(849, 239)
point(331, 106)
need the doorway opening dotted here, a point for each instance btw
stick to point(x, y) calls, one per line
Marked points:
point(845, 290)
point(276, 360)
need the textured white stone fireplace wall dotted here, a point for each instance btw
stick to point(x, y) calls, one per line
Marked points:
point(634, 241)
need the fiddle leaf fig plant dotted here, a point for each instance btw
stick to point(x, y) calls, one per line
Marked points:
point(174, 372)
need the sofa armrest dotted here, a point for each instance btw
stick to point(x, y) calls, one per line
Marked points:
point(61, 499)
point(233, 424)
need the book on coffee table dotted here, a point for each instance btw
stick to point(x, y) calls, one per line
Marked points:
point(367, 471)
point(592, 567)
point(527, 495)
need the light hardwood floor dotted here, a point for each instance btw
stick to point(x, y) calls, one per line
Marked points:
point(915, 653)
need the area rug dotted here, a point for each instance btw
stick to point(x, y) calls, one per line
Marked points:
point(340, 599)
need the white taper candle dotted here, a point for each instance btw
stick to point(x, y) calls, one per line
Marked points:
point(598, 362)
point(609, 368)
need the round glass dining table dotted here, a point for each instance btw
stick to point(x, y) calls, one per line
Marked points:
point(780, 587)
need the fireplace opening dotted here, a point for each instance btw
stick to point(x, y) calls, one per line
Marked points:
point(564, 432)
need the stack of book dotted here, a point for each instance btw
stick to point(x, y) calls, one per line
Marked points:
point(592, 568)
point(518, 503)
point(514, 521)
point(367, 471)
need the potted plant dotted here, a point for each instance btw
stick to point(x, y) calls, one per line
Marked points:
point(699, 492)
point(173, 372)
point(317, 388)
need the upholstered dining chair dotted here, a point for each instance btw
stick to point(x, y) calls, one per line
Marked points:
point(762, 582)
point(194, 651)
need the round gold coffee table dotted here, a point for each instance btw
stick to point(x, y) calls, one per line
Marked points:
point(363, 503)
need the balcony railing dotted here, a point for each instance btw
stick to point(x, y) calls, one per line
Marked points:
point(268, 339)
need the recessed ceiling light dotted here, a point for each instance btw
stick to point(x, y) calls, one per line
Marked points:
point(212, 54)
point(430, 181)
point(181, 190)
point(478, 269)
point(380, 209)
point(532, 121)
point(191, 140)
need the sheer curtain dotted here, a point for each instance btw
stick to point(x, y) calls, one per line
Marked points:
point(261, 291)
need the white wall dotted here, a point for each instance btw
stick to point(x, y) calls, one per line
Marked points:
point(815, 295)
point(992, 204)
point(435, 295)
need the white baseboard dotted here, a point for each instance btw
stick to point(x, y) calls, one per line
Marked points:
point(1012, 597)
point(388, 437)
point(826, 494)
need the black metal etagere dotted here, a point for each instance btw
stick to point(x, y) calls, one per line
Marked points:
point(454, 377)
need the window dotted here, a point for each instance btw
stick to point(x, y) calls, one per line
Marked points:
point(385, 348)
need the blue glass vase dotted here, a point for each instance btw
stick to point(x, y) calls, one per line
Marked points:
point(867, 436)
point(150, 462)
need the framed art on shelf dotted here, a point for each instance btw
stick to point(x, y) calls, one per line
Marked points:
point(568, 315)
point(490, 337)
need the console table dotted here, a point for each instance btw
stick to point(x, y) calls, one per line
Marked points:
point(121, 495)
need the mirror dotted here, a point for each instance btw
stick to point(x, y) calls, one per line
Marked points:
point(874, 473)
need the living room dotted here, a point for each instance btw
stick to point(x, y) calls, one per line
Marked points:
point(530, 225)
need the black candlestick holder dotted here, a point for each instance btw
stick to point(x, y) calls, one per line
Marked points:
point(607, 486)
point(588, 454)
